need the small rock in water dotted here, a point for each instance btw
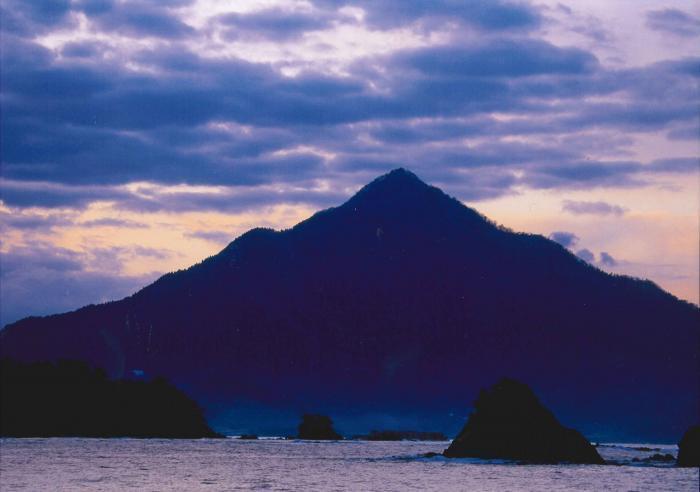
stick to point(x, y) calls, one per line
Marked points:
point(317, 427)
point(656, 457)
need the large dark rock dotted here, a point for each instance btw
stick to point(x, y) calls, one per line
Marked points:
point(317, 427)
point(689, 448)
point(509, 422)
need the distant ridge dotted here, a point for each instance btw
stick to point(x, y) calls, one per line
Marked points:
point(401, 299)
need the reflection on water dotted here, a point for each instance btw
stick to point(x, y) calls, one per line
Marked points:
point(231, 464)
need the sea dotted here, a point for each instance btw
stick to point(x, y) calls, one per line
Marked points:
point(59, 464)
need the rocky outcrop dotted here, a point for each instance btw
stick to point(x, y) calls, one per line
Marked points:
point(509, 422)
point(317, 427)
point(70, 399)
point(689, 448)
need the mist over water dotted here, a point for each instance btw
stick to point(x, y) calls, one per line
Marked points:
point(230, 464)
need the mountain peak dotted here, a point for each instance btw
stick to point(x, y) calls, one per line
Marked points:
point(398, 175)
point(397, 185)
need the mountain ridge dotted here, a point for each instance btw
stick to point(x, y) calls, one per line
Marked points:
point(397, 298)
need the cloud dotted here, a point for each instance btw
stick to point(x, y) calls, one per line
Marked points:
point(229, 199)
point(690, 132)
point(607, 260)
point(26, 194)
point(217, 237)
point(40, 256)
point(578, 174)
point(273, 24)
point(587, 25)
point(676, 165)
point(484, 15)
point(60, 291)
point(566, 239)
point(21, 220)
point(593, 208)
point(137, 18)
point(570, 240)
point(113, 222)
point(83, 49)
point(27, 18)
point(183, 117)
point(673, 21)
point(503, 58)
point(586, 255)
point(66, 279)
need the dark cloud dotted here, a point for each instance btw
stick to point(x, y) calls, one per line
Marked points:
point(486, 15)
point(566, 239)
point(273, 24)
point(594, 208)
point(82, 49)
point(138, 18)
point(46, 11)
point(607, 260)
point(17, 219)
point(93, 7)
point(691, 132)
point(41, 257)
point(586, 174)
point(229, 199)
point(635, 116)
point(673, 21)
point(586, 255)
point(50, 195)
point(498, 59)
point(31, 18)
point(677, 165)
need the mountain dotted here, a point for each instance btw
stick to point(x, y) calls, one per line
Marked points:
point(400, 304)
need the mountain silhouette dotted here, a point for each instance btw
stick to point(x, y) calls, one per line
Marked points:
point(401, 299)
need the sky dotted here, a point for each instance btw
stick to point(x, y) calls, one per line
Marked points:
point(139, 137)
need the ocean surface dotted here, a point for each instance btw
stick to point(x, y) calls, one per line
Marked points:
point(231, 464)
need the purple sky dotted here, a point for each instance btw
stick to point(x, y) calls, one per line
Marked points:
point(140, 136)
